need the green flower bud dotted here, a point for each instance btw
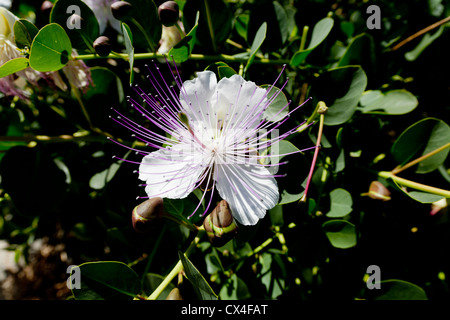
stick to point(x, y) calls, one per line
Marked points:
point(121, 10)
point(148, 215)
point(102, 46)
point(169, 13)
point(174, 294)
point(220, 225)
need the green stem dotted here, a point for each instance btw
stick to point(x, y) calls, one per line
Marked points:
point(321, 109)
point(304, 35)
point(178, 267)
point(414, 185)
point(310, 119)
point(260, 247)
point(201, 57)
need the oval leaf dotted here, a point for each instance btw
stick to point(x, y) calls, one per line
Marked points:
point(107, 280)
point(129, 47)
point(340, 233)
point(341, 203)
point(13, 66)
point(399, 290)
point(419, 139)
point(393, 102)
point(24, 33)
point(51, 49)
point(257, 42)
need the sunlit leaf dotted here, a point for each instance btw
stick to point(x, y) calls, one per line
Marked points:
point(51, 49)
point(13, 66)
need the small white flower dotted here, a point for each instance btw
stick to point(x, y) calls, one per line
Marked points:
point(210, 139)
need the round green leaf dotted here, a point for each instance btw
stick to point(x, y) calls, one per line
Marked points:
point(24, 33)
point(419, 139)
point(107, 280)
point(341, 203)
point(340, 233)
point(319, 34)
point(51, 49)
point(13, 66)
point(393, 102)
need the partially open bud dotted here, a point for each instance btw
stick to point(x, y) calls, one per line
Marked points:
point(169, 13)
point(378, 191)
point(220, 225)
point(121, 10)
point(174, 295)
point(148, 215)
point(102, 46)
